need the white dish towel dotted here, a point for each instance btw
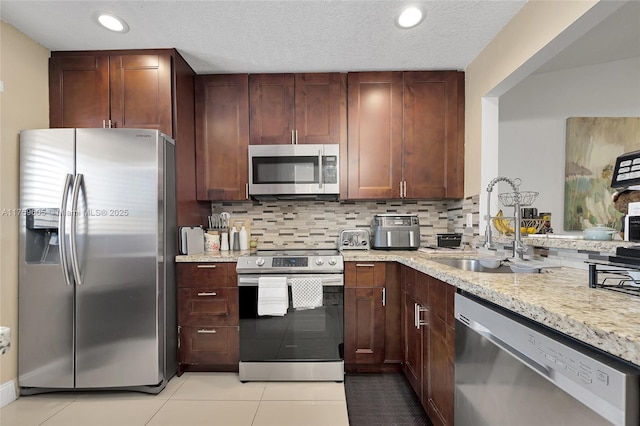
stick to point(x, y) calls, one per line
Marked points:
point(273, 296)
point(306, 293)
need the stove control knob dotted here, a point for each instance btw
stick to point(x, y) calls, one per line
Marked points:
point(260, 261)
point(319, 261)
point(332, 261)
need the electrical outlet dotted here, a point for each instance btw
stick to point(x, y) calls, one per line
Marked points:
point(469, 220)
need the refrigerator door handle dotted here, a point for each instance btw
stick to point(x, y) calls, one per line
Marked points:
point(77, 183)
point(62, 223)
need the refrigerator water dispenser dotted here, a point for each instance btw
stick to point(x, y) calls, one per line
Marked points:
point(42, 235)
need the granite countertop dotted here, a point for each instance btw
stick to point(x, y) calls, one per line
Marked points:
point(559, 298)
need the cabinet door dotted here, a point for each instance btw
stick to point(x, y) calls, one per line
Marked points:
point(364, 326)
point(393, 348)
point(440, 362)
point(222, 136)
point(320, 108)
point(141, 92)
point(78, 91)
point(412, 345)
point(375, 135)
point(433, 150)
point(441, 382)
point(271, 102)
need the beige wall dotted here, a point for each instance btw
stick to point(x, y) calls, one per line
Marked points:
point(24, 104)
point(533, 28)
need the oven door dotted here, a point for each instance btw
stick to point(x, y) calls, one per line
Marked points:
point(301, 335)
point(294, 170)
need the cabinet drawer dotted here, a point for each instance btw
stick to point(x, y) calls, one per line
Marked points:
point(209, 345)
point(202, 274)
point(208, 306)
point(365, 274)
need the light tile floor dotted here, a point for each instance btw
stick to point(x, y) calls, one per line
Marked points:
point(193, 399)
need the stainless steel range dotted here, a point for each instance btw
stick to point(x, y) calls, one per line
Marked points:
point(291, 315)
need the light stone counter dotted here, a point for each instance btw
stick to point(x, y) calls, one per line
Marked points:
point(559, 298)
point(215, 256)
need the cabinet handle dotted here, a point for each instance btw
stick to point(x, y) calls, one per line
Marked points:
point(400, 189)
point(321, 175)
point(246, 191)
point(365, 265)
point(293, 141)
point(205, 331)
point(384, 296)
point(420, 322)
point(296, 137)
point(415, 316)
point(208, 293)
point(206, 266)
point(104, 124)
point(404, 194)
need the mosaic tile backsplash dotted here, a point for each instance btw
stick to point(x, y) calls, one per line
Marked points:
point(305, 224)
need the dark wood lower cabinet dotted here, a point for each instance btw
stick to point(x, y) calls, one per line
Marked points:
point(208, 317)
point(372, 339)
point(363, 320)
point(395, 318)
point(441, 353)
point(429, 343)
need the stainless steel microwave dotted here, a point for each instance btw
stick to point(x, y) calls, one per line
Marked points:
point(294, 171)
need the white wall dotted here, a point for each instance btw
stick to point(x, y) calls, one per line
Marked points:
point(533, 121)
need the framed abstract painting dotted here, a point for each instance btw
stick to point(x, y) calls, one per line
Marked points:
point(592, 146)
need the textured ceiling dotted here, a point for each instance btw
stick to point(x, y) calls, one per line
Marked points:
point(274, 36)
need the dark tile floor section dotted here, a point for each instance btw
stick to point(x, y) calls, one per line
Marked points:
point(383, 399)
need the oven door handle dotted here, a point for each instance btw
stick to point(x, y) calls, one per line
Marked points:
point(327, 280)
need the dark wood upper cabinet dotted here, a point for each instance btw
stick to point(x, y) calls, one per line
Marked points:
point(320, 108)
point(406, 135)
point(222, 136)
point(272, 108)
point(297, 108)
point(141, 92)
point(147, 88)
point(375, 134)
point(111, 90)
point(433, 147)
point(79, 91)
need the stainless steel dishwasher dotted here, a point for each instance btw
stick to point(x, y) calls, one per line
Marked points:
point(512, 371)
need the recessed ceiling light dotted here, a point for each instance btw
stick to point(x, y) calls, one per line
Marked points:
point(409, 17)
point(111, 22)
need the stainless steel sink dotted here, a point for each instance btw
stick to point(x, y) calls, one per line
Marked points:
point(472, 265)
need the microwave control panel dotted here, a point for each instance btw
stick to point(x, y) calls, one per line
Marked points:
point(330, 168)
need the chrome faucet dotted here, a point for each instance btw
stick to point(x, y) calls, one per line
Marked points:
point(519, 249)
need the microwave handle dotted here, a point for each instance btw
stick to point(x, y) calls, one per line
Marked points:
point(321, 168)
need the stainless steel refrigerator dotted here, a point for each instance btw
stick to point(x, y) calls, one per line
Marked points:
point(97, 297)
